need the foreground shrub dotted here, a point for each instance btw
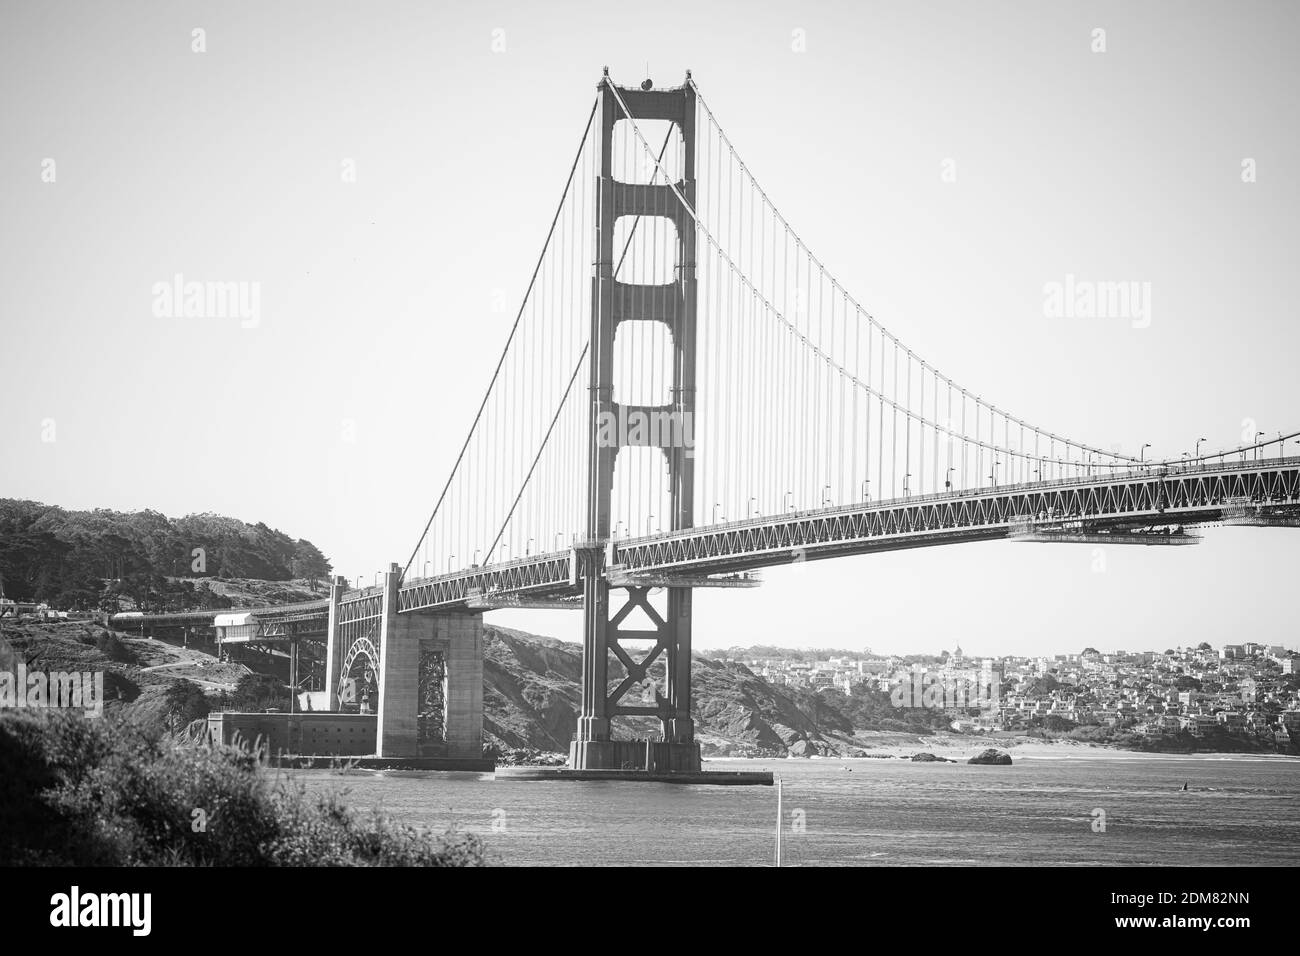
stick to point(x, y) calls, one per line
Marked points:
point(116, 792)
point(172, 706)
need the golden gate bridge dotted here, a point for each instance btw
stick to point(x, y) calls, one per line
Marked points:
point(688, 395)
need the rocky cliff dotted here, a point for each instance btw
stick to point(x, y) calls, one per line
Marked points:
point(532, 690)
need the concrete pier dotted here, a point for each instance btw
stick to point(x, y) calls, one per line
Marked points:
point(399, 674)
point(710, 778)
point(399, 641)
point(461, 637)
point(652, 756)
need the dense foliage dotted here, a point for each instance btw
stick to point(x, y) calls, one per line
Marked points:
point(868, 708)
point(112, 792)
point(255, 692)
point(89, 559)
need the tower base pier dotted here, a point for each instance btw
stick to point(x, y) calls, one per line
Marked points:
point(652, 756)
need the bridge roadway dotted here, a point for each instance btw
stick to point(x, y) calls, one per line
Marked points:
point(1162, 494)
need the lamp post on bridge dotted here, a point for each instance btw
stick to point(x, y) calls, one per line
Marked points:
point(906, 491)
point(866, 490)
point(450, 559)
point(716, 506)
point(1258, 435)
point(790, 507)
point(826, 495)
point(1142, 453)
point(947, 478)
point(648, 520)
point(1197, 456)
point(750, 509)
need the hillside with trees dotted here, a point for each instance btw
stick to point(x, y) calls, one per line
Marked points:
point(103, 559)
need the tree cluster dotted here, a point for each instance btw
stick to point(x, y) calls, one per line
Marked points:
point(84, 560)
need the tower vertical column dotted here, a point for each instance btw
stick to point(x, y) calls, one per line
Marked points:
point(680, 727)
point(593, 721)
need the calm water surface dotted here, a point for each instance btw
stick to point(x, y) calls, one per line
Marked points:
point(1237, 811)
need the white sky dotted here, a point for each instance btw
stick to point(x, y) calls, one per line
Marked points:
point(376, 296)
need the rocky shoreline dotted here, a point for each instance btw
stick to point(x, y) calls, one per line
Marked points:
point(935, 751)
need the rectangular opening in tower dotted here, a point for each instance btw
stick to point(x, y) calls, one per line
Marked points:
point(647, 253)
point(633, 162)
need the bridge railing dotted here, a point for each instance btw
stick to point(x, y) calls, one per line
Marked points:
point(1155, 470)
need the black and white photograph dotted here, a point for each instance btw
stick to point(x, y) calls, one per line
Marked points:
point(680, 435)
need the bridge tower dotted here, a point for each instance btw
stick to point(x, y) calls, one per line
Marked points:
point(674, 305)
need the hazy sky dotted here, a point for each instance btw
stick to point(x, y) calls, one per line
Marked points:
point(376, 295)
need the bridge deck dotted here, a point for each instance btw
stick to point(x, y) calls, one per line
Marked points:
point(1160, 495)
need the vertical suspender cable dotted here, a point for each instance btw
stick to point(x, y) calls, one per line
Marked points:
point(510, 338)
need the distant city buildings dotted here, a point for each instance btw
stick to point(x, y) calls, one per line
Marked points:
point(1245, 688)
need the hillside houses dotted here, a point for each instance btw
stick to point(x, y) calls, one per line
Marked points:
point(1248, 688)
